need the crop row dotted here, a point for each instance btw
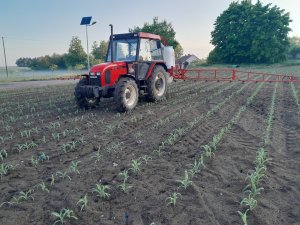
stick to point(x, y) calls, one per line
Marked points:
point(255, 176)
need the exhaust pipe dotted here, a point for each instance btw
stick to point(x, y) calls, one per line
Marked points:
point(111, 42)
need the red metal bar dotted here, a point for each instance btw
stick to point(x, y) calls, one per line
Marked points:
point(229, 75)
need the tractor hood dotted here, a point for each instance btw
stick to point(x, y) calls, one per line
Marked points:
point(108, 72)
point(103, 67)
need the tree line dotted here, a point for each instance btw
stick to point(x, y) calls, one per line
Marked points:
point(75, 58)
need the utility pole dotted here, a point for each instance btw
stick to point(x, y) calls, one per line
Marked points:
point(4, 56)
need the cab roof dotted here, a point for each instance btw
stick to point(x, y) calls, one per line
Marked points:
point(135, 35)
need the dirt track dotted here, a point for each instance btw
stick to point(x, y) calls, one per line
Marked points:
point(215, 194)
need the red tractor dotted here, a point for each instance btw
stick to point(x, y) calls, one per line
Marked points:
point(136, 64)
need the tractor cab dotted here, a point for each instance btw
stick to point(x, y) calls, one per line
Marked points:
point(136, 64)
point(134, 47)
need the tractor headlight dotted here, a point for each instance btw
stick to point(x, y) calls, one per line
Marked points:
point(98, 73)
point(91, 74)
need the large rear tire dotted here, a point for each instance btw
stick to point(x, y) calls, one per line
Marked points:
point(81, 100)
point(157, 84)
point(126, 94)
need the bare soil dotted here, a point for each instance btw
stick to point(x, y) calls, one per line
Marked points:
point(215, 194)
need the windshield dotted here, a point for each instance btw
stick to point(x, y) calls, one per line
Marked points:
point(124, 50)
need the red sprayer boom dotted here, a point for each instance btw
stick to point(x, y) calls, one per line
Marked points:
point(229, 75)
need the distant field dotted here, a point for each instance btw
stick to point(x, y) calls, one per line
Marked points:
point(19, 74)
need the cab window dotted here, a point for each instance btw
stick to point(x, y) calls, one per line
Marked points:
point(150, 50)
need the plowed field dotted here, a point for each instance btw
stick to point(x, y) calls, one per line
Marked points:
point(56, 154)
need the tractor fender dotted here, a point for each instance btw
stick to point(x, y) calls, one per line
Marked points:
point(152, 67)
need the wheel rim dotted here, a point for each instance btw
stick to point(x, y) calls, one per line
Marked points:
point(130, 96)
point(159, 84)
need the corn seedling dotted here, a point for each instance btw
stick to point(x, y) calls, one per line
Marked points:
point(63, 175)
point(261, 157)
point(256, 176)
point(109, 129)
point(135, 165)
point(3, 154)
point(25, 195)
point(254, 190)
point(124, 174)
point(185, 182)
point(173, 198)
point(125, 187)
point(74, 167)
point(158, 151)
point(82, 202)
point(249, 201)
point(244, 216)
point(81, 140)
point(32, 145)
point(195, 167)
point(69, 146)
point(25, 133)
point(52, 180)
point(34, 161)
point(53, 125)
point(146, 158)
point(97, 156)
point(43, 139)
point(27, 124)
point(208, 151)
point(4, 169)
point(42, 157)
point(56, 136)
point(43, 187)
point(116, 146)
point(63, 215)
point(101, 190)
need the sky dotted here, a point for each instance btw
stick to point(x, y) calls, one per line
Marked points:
point(33, 28)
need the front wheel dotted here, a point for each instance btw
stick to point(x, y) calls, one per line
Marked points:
point(83, 101)
point(126, 94)
point(157, 84)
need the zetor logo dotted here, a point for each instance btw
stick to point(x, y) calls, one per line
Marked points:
point(93, 76)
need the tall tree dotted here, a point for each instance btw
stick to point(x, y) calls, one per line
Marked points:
point(76, 54)
point(165, 30)
point(99, 52)
point(294, 50)
point(250, 33)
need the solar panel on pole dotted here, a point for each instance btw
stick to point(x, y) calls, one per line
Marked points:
point(86, 20)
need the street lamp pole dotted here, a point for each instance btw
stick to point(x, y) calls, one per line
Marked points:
point(87, 46)
point(87, 42)
point(87, 22)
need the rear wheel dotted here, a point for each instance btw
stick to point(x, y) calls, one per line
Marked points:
point(83, 101)
point(157, 84)
point(126, 94)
